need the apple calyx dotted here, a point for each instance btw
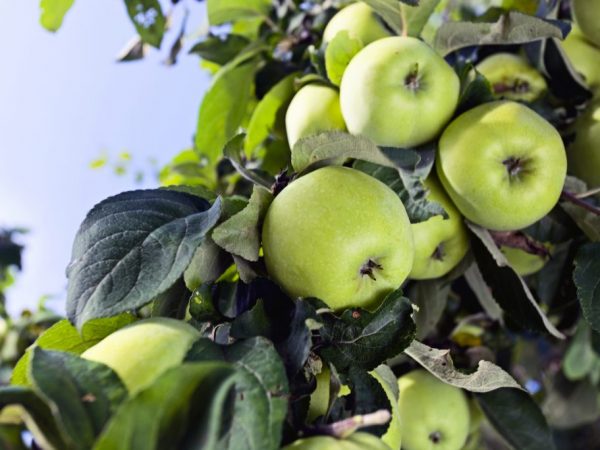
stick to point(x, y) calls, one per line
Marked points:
point(438, 253)
point(413, 81)
point(514, 165)
point(518, 87)
point(369, 267)
point(435, 437)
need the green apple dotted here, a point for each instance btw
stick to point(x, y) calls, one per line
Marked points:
point(139, 353)
point(433, 415)
point(583, 153)
point(360, 21)
point(512, 77)
point(398, 92)
point(584, 56)
point(393, 435)
point(440, 244)
point(357, 441)
point(340, 235)
point(587, 15)
point(523, 262)
point(502, 165)
point(314, 108)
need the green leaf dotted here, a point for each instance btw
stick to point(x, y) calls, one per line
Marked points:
point(53, 13)
point(510, 28)
point(483, 293)
point(39, 419)
point(234, 152)
point(338, 54)
point(10, 437)
point(208, 263)
point(148, 19)
point(580, 358)
point(184, 409)
point(261, 390)
point(223, 108)
point(133, 247)
point(65, 337)
point(269, 113)
point(517, 417)
point(222, 11)
point(220, 50)
point(416, 16)
point(363, 339)
point(81, 394)
point(488, 376)
point(587, 279)
point(240, 234)
point(389, 10)
point(508, 288)
point(475, 89)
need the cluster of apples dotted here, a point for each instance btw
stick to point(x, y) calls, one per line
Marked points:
point(343, 236)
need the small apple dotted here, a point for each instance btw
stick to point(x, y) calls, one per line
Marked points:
point(587, 16)
point(583, 153)
point(433, 414)
point(523, 262)
point(398, 92)
point(584, 56)
point(356, 441)
point(340, 235)
point(512, 77)
point(314, 108)
point(360, 21)
point(502, 165)
point(440, 244)
point(139, 353)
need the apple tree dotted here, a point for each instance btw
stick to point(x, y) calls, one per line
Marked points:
point(385, 234)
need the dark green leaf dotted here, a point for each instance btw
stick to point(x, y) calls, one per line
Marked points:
point(587, 279)
point(389, 10)
point(261, 390)
point(240, 234)
point(251, 323)
point(363, 339)
point(131, 248)
point(148, 19)
point(222, 11)
point(580, 358)
point(517, 418)
point(430, 296)
point(220, 50)
point(173, 302)
point(53, 13)
point(81, 394)
point(208, 263)
point(338, 54)
point(511, 28)
point(475, 89)
point(234, 151)
point(65, 337)
point(486, 378)
point(508, 288)
point(482, 292)
point(417, 13)
point(10, 437)
point(183, 409)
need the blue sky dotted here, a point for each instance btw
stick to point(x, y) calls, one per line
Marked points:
point(64, 101)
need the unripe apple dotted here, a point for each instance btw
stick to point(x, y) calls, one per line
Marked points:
point(584, 152)
point(502, 165)
point(357, 441)
point(139, 353)
point(340, 235)
point(523, 262)
point(512, 77)
point(433, 414)
point(314, 108)
point(440, 244)
point(587, 15)
point(584, 57)
point(360, 21)
point(398, 92)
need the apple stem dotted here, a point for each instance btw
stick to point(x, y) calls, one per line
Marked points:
point(346, 427)
point(569, 196)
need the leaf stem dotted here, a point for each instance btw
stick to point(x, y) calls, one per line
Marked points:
point(569, 196)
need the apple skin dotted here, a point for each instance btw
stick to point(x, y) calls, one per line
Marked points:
point(139, 353)
point(393, 435)
point(440, 244)
point(357, 441)
point(512, 77)
point(584, 57)
point(432, 410)
point(340, 235)
point(502, 165)
point(398, 92)
point(587, 17)
point(314, 108)
point(360, 21)
point(523, 262)
point(583, 153)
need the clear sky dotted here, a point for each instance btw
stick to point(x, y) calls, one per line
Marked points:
point(63, 101)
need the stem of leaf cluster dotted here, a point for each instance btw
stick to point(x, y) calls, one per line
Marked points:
point(569, 196)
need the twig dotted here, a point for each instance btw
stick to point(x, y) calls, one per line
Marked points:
point(569, 196)
point(589, 193)
point(346, 427)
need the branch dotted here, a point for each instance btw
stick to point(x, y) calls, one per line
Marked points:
point(346, 427)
